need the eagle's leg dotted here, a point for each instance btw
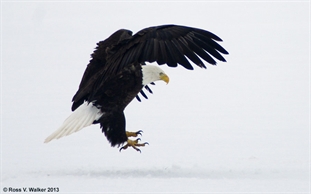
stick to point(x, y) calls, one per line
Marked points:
point(133, 134)
point(134, 144)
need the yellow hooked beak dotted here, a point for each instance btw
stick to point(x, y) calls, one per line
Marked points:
point(164, 77)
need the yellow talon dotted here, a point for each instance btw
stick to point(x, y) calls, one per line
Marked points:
point(134, 144)
point(133, 134)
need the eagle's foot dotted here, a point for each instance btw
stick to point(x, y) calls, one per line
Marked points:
point(134, 144)
point(133, 134)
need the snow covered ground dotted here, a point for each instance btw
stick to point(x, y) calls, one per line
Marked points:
point(240, 127)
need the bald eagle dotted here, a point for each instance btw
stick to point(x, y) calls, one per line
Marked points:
point(117, 72)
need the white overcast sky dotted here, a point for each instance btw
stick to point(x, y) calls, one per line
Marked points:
point(255, 105)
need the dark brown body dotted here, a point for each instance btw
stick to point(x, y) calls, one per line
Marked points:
point(113, 97)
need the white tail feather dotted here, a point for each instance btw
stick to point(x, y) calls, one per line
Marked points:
point(82, 117)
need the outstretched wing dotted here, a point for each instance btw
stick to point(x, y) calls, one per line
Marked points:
point(171, 44)
point(166, 44)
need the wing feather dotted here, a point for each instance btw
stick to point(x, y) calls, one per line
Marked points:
point(189, 52)
point(211, 43)
point(172, 55)
point(181, 54)
point(209, 49)
point(162, 54)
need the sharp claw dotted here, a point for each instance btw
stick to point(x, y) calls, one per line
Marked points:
point(137, 150)
point(139, 132)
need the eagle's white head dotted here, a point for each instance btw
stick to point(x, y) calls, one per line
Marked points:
point(153, 73)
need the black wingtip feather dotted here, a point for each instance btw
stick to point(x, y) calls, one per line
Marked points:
point(148, 89)
point(137, 97)
point(143, 94)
